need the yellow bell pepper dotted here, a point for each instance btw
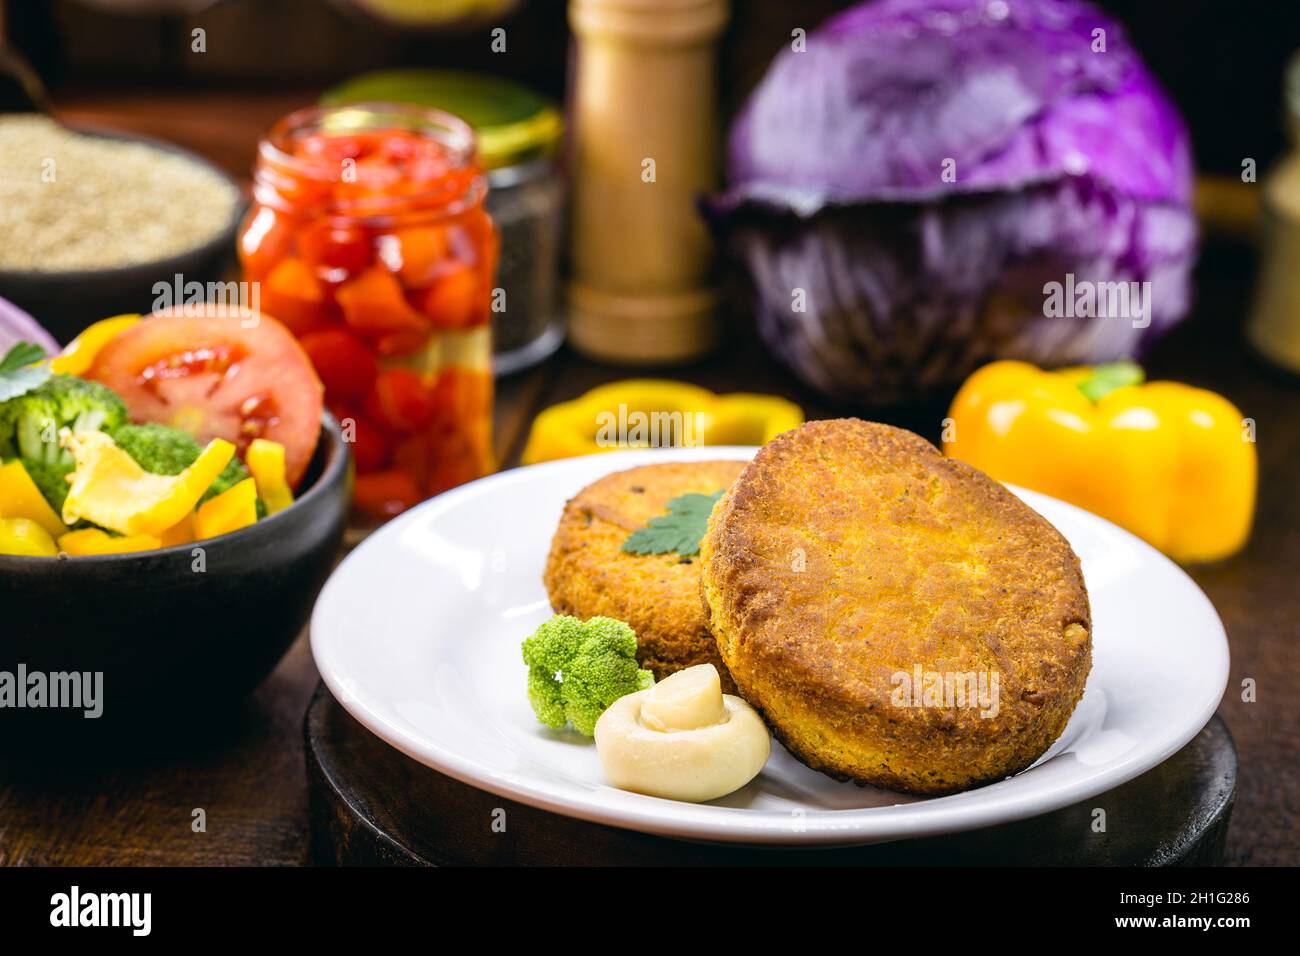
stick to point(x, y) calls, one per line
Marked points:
point(24, 536)
point(20, 498)
point(229, 511)
point(110, 490)
point(91, 541)
point(265, 460)
point(182, 532)
point(80, 353)
point(1174, 464)
point(640, 413)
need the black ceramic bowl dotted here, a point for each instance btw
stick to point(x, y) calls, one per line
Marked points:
point(172, 636)
point(66, 302)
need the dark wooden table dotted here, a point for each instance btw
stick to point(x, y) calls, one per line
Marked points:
point(245, 769)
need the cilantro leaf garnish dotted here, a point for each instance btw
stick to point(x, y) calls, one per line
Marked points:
point(18, 372)
point(679, 530)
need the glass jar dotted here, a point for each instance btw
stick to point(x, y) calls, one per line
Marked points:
point(525, 202)
point(368, 238)
point(518, 133)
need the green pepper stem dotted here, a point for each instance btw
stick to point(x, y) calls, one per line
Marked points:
point(1108, 377)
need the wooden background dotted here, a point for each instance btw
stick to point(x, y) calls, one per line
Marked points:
point(1221, 60)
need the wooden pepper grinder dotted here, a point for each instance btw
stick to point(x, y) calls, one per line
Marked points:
point(645, 147)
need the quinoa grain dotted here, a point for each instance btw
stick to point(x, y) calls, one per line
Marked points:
point(69, 201)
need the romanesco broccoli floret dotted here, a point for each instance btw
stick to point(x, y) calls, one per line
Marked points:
point(576, 669)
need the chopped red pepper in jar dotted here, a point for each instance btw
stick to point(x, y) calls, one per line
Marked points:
point(369, 240)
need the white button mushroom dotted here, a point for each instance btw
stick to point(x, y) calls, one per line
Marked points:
point(682, 739)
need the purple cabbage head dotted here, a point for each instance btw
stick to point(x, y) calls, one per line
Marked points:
point(910, 192)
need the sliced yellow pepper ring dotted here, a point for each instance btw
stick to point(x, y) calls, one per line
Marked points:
point(229, 511)
point(91, 541)
point(648, 412)
point(26, 537)
point(1174, 464)
point(20, 498)
point(80, 353)
point(110, 490)
point(745, 418)
point(265, 459)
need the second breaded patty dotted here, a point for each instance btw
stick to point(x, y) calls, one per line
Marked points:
point(588, 573)
point(857, 581)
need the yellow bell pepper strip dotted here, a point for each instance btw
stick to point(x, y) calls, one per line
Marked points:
point(234, 508)
point(1174, 464)
point(647, 412)
point(92, 541)
point(265, 460)
point(20, 498)
point(80, 353)
point(182, 532)
point(110, 490)
point(24, 536)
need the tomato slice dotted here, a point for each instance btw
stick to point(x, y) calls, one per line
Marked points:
point(213, 377)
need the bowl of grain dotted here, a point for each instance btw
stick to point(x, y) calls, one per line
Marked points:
point(94, 219)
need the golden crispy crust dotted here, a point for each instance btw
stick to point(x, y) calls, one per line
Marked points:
point(588, 574)
point(848, 553)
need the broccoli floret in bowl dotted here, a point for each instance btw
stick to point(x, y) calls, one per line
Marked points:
point(30, 423)
point(164, 450)
point(50, 479)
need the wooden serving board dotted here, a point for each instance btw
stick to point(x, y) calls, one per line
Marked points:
point(371, 805)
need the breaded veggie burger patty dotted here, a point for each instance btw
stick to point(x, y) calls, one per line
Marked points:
point(588, 573)
point(899, 618)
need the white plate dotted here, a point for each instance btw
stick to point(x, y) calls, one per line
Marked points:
point(417, 634)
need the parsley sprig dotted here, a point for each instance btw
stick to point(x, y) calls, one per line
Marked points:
point(19, 373)
point(679, 530)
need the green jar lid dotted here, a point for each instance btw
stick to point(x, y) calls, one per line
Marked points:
point(513, 124)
